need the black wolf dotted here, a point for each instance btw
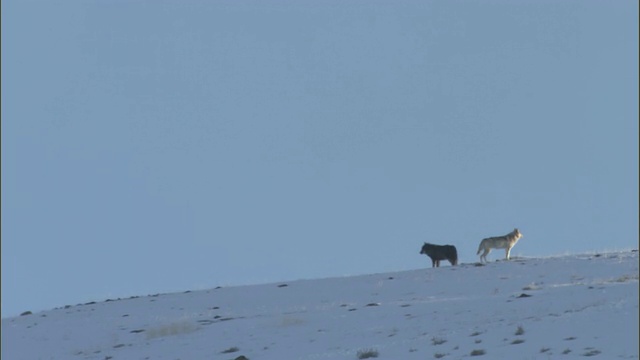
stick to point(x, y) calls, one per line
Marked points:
point(440, 252)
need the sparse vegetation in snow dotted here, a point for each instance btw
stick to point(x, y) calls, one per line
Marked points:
point(477, 352)
point(367, 353)
point(175, 328)
point(230, 350)
point(591, 352)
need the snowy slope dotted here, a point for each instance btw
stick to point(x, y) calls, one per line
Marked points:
point(527, 308)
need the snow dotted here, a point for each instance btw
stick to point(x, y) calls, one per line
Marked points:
point(570, 306)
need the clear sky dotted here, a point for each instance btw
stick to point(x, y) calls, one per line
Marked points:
point(157, 146)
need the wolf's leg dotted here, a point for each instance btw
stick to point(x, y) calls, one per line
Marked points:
point(485, 253)
point(508, 252)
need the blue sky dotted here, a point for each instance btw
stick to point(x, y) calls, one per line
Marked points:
point(156, 146)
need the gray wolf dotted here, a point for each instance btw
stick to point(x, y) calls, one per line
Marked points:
point(440, 252)
point(499, 242)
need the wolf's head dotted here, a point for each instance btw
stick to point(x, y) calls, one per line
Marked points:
point(426, 248)
point(517, 233)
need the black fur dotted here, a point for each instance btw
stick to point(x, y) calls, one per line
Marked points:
point(440, 252)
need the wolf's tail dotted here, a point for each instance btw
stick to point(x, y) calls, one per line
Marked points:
point(479, 248)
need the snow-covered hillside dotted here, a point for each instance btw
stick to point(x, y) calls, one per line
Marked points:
point(563, 307)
